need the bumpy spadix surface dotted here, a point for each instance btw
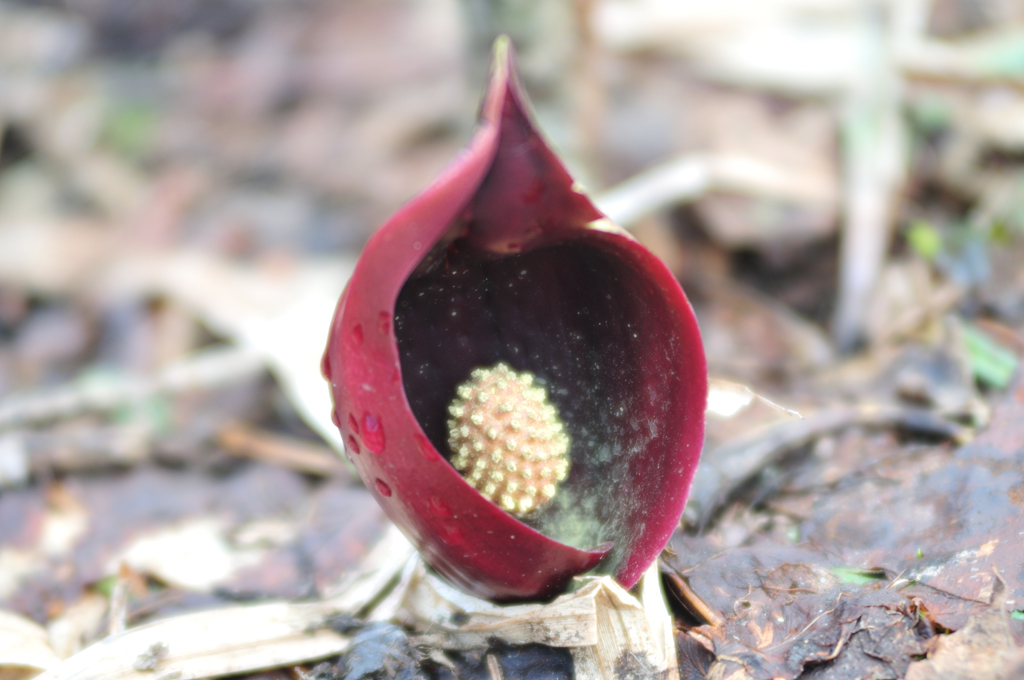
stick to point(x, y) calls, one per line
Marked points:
point(507, 438)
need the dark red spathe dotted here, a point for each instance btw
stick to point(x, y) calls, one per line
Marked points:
point(503, 258)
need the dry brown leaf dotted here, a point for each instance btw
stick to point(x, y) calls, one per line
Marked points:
point(985, 648)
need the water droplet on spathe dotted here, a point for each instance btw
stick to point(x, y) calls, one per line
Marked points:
point(385, 323)
point(439, 507)
point(453, 535)
point(353, 424)
point(357, 334)
point(426, 448)
point(353, 445)
point(373, 433)
point(325, 366)
point(335, 418)
point(383, 488)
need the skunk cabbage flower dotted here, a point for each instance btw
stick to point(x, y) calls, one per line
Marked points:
point(518, 381)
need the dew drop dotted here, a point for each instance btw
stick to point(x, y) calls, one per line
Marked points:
point(439, 507)
point(453, 535)
point(383, 488)
point(385, 323)
point(426, 448)
point(353, 445)
point(357, 334)
point(335, 418)
point(353, 424)
point(396, 376)
point(373, 433)
point(325, 366)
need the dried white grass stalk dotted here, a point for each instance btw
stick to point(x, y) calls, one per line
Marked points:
point(24, 647)
point(610, 632)
point(454, 620)
point(635, 637)
point(209, 644)
point(689, 177)
point(726, 399)
point(78, 625)
point(234, 640)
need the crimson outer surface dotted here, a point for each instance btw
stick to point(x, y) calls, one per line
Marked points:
point(505, 194)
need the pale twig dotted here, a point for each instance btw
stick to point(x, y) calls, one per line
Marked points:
point(693, 601)
point(494, 668)
point(690, 177)
point(290, 452)
point(118, 610)
point(41, 453)
point(982, 59)
point(202, 370)
point(726, 399)
point(874, 160)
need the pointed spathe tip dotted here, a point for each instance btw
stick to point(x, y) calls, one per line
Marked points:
point(500, 78)
point(502, 52)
